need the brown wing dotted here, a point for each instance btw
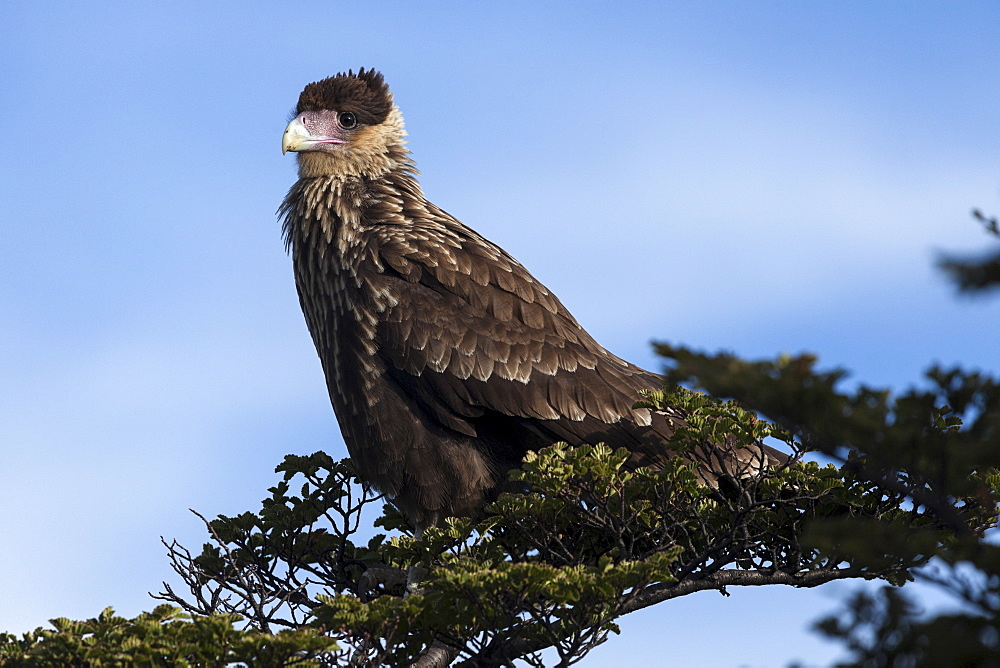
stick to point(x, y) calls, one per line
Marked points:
point(491, 353)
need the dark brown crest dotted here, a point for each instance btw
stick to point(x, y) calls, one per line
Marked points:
point(365, 94)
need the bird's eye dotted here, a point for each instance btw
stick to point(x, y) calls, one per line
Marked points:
point(347, 119)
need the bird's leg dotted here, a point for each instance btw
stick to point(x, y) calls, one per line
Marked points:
point(414, 576)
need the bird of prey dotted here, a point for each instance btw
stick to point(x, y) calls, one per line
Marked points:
point(445, 359)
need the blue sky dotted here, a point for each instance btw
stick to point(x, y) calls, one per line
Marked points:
point(761, 177)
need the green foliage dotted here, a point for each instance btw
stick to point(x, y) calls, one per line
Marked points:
point(587, 540)
point(885, 628)
point(977, 275)
point(934, 449)
point(265, 566)
point(551, 567)
point(163, 637)
point(915, 443)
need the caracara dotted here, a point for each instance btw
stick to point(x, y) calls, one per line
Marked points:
point(445, 359)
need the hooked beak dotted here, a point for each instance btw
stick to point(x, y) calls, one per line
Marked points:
point(298, 138)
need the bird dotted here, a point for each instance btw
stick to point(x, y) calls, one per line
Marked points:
point(446, 360)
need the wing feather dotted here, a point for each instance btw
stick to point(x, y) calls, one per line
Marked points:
point(475, 331)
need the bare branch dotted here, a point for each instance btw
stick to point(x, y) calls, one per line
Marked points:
point(503, 654)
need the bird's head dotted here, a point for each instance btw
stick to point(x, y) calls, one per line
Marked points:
point(346, 125)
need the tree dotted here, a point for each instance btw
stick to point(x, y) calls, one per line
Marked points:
point(887, 627)
point(164, 637)
point(924, 445)
point(911, 494)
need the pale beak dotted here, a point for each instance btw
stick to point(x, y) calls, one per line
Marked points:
point(296, 135)
point(298, 138)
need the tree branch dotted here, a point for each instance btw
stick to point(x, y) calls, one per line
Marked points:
point(438, 655)
point(505, 653)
